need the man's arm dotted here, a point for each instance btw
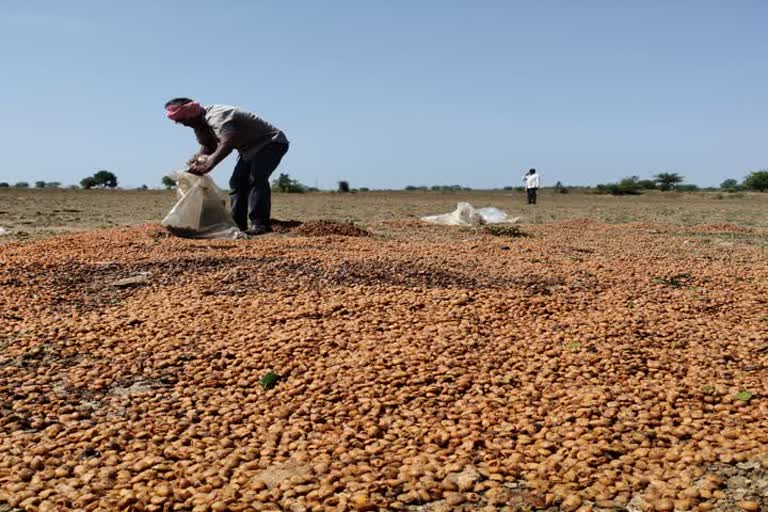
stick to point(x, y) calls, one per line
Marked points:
point(222, 151)
point(208, 143)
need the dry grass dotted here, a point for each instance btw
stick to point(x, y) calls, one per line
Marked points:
point(37, 213)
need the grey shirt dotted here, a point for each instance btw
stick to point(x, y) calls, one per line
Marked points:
point(249, 132)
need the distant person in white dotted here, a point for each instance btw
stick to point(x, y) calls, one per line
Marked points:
point(531, 185)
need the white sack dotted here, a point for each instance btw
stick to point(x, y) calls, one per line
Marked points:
point(201, 210)
point(466, 214)
point(3, 231)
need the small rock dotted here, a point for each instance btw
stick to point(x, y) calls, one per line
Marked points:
point(664, 505)
point(131, 281)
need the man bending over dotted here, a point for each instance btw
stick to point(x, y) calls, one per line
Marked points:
point(220, 129)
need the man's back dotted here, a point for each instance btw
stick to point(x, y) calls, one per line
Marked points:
point(249, 132)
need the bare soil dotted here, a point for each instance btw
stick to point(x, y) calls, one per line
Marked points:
point(35, 213)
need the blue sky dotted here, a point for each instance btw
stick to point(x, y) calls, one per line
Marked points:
point(387, 94)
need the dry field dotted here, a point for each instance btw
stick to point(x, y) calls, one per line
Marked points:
point(610, 354)
point(35, 213)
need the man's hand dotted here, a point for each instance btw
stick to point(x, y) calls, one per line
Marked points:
point(205, 164)
point(199, 166)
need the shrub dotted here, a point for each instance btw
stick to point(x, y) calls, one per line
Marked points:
point(729, 185)
point(757, 180)
point(647, 184)
point(88, 183)
point(285, 184)
point(627, 186)
point(21, 184)
point(445, 188)
point(687, 187)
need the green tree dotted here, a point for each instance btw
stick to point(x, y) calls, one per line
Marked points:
point(53, 184)
point(168, 182)
point(344, 186)
point(757, 180)
point(4, 184)
point(729, 184)
point(22, 184)
point(40, 184)
point(88, 183)
point(668, 180)
point(284, 183)
point(105, 179)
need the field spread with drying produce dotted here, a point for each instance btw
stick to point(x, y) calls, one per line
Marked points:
point(571, 365)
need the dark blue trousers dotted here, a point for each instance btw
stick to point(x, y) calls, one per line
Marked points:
point(250, 195)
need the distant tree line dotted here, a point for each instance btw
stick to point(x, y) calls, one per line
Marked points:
point(285, 184)
point(670, 181)
point(665, 181)
point(438, 188)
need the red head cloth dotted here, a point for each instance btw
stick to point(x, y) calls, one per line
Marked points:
point(184, 112)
